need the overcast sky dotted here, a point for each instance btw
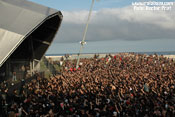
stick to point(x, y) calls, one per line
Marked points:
point(114, 27)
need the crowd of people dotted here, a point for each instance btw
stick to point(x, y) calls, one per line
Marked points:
point(126, 84)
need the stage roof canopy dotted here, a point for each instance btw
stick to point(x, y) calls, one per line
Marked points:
point(26, 29)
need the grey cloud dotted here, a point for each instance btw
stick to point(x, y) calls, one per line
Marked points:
point(118, 24)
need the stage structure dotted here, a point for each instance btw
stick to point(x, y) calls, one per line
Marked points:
point(26, 31)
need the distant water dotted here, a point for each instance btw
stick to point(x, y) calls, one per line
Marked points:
point(149, 53)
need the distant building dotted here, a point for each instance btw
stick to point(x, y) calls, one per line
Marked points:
point(26, 31)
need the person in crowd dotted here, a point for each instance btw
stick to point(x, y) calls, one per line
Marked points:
point(14, 76)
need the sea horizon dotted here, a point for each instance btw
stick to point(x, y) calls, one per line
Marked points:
point(148, 53)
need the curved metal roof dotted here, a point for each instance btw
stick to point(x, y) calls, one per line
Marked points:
point(19, 19)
